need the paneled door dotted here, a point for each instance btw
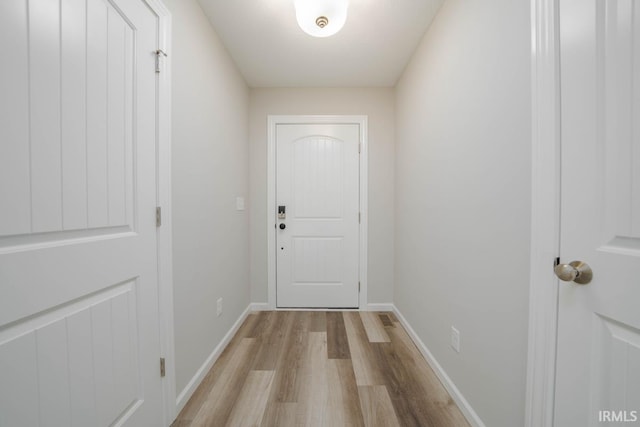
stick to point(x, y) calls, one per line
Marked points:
point(317, 198)
point(79, 340)
point(598, 360)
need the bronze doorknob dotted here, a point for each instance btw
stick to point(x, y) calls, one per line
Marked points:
point(576, 271)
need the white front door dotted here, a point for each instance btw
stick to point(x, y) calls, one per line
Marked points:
point(79, 340)
point(598, 359)
point(317, 235)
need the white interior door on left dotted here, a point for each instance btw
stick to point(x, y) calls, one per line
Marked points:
point(79, 340)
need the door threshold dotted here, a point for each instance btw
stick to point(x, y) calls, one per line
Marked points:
point(317, 309)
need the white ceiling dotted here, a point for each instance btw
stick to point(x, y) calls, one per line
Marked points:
point(270, 49)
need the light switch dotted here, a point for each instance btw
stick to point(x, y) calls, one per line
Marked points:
point(239, 203)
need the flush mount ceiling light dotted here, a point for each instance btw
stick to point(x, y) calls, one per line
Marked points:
point(321, 18)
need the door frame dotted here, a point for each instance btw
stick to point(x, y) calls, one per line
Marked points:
point(163, 200)
point(272, 122)
point(545, 213)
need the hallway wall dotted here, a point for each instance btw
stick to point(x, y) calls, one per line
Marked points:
point(449, 190)
point(378, 104)
point(463, 200)
point(210, 168)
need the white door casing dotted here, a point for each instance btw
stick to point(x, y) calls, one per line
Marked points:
point(545, 188)
point(317, 185)
point(164, 231)
point(308, 240)
point(79, 340)
point(598, 344)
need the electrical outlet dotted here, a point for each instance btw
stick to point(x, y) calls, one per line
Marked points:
point(219, 307)
point(455, 339)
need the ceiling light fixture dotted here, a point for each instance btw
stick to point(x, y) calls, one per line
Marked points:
point(321, 18)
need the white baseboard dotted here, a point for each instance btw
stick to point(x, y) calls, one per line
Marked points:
point(466, 409)
point(259, 306)
point(191, 387)
point(263, 306)
point(379, 307)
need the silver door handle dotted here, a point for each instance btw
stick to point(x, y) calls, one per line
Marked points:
point(576, 271)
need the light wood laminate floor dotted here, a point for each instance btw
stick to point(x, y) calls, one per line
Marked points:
point(296, 368)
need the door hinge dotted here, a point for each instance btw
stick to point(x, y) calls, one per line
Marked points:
point(358, 287)
point(359, 147)
point(162, 367)
point(158, 216)
point(159, 53)
point(359, 217)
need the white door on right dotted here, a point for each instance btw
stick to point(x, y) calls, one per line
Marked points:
point(317, 189)
point(598, 359)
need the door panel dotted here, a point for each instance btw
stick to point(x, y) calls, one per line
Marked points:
point(73, 58)
point(317, 178)
point(317, 182)
point(599, 323)
point(617, 361)
point(15, 193)
point(79, 340)
point(97, 108)
point(317, 259)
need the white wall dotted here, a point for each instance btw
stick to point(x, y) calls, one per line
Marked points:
point(378, 104)
point(463, 199)
point(210, 168)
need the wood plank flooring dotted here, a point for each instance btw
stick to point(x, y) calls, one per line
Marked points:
point(296, 368)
